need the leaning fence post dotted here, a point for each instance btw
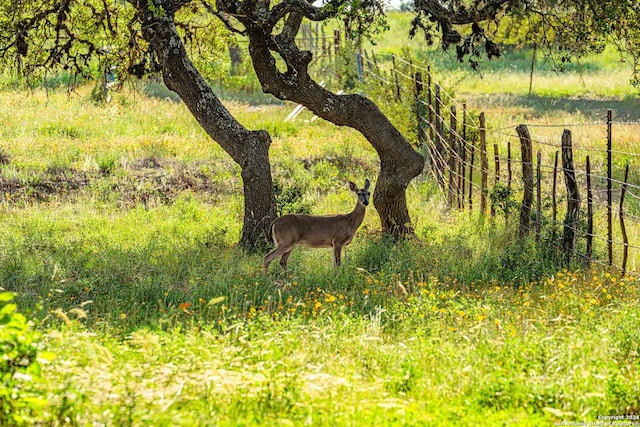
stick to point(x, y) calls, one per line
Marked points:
point(589, 249)
point(623, 229)
point(573, 196)
point(527, 175)
point(484, 165)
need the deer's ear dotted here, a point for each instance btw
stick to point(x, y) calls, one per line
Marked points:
point(366, 184)
point(352, 186)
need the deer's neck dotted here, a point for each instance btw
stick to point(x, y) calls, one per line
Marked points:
point(357, 215)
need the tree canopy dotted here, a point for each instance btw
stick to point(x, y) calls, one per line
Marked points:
point(565, 28)
point(79, 35)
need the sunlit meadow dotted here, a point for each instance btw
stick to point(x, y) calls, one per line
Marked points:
point(119, 223)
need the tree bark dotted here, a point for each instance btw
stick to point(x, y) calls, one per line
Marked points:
point(399, 162)
point(249, 149)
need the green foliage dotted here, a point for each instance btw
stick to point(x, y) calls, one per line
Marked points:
point(502, 197)
point(19, 366)
point(291, 199)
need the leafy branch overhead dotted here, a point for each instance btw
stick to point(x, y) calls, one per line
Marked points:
point(85, 37)
point(565, 28)
point(71, 34)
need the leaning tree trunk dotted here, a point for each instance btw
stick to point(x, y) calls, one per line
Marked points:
point(249, 149)
point(399, 162)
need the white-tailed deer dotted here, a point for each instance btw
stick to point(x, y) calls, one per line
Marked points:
point(317, 231)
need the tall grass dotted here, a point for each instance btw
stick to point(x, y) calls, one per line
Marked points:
point(119, 225)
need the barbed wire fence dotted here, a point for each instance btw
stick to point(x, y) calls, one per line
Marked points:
point(481, 168)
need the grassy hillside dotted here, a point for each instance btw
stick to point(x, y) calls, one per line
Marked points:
point(119, 223)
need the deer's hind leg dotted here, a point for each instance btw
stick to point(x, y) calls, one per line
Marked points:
point(285, 258)
point(280, 250)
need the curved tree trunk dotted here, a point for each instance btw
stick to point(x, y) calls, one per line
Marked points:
point(399, 162)
point(249, 149)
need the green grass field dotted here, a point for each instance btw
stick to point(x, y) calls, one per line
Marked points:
point(118, 230)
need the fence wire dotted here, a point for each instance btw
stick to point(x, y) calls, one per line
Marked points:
point(447, 146)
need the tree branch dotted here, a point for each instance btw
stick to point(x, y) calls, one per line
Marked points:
point(223, 18)
point(302, 7)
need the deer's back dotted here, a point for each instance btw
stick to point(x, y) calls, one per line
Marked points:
point(311, 230)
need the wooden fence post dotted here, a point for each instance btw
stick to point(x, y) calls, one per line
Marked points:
point(395, 78)
point(473, 153)
point(538, 196)
point(453, 160)
point(623, 229)
point(439, 155)
point(377, 68)
point(527, 175)
point(463, 157)
point(317, 39)
point(369, 62)
point(420, 107)
point(496, 161)
point(324, 42)
point(573, 197)
point(430, 108)
point(609, 193)
point(554, 195)
point(484, 165)
point(509, 172)
point(589, 249)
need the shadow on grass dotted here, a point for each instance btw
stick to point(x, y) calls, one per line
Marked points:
point(627, 109)
point(168, 283)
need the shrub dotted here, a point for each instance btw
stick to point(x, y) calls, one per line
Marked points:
point(18, 366)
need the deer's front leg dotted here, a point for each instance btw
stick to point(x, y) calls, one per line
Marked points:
point(337, 249)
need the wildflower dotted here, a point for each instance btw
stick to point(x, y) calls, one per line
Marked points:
point(184, 306)
point(123, 315)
